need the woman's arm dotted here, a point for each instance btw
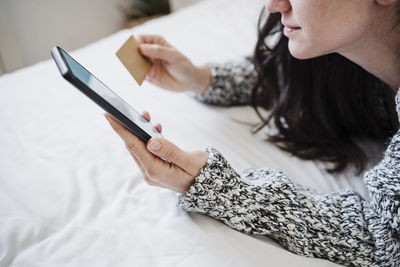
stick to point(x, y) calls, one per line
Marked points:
point(220, 84)
point(341, 226)
point(231, 84)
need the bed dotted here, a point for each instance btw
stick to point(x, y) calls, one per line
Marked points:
point(70, 194)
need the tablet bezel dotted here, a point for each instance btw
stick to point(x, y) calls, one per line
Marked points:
point(66, 72)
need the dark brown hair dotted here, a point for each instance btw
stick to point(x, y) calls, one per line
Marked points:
point(398, 13)
point(320, 106)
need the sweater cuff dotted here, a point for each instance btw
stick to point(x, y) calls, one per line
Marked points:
point(213, 177)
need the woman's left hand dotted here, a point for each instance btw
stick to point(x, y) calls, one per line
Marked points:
point(177, 176)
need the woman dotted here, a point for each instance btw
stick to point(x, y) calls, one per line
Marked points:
point(342, 226)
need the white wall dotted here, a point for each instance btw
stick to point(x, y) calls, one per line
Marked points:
point(29, 28)
point(178, 4)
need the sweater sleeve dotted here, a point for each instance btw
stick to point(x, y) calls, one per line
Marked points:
point(341, 226)
point(231, 84)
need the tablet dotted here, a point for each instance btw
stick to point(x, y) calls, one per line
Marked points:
point(103, 96)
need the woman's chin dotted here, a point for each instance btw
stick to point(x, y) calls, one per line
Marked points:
point(301, 52)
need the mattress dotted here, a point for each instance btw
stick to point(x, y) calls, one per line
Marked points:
point(70, 194)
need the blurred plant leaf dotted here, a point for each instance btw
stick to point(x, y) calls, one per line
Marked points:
point(142, 8)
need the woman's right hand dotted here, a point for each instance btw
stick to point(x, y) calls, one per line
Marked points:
point(171, 70)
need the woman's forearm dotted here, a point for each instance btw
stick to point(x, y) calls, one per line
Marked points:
point(230, 83)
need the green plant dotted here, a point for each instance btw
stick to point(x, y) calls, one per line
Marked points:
point(143, 8)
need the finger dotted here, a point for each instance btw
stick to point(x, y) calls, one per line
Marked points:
point(158, 73)
point(133, 143)
point(146, 115)
point(152, 39)
point(136, 146)
point(191, 162)
point(124, 133)
point(138, 163)
point(155, 81)
point(154, 71)
point(158, 171)
point(156, 51)
point(158, 127)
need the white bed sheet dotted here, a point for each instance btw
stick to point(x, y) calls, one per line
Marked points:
point(70, 194)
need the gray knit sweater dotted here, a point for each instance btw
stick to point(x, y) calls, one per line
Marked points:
point(341, 226)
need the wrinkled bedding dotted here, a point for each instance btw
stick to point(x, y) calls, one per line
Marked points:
point(70, 194)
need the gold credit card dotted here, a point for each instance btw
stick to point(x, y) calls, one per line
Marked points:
point(137, 65)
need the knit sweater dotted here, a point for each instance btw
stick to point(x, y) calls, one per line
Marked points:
point(342, 227)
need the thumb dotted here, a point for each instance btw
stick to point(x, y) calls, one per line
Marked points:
point(191, 162)
point(155, 51)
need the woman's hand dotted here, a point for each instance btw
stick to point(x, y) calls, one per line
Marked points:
point(171, 70)
point(177, 176)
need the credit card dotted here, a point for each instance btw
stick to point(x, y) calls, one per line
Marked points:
point(137, 65)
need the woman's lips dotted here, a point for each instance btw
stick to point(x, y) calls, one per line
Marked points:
point(284, 23)
point(288, 30)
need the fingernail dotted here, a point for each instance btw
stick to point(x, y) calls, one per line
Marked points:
point(154, 145)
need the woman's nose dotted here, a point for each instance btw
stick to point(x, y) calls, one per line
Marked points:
point(274, 6)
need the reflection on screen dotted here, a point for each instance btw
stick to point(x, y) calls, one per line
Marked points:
point(107, 94)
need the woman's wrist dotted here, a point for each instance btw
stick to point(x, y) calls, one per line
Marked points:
point(204, 80)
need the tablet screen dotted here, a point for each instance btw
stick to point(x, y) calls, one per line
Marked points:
point(108, 95)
